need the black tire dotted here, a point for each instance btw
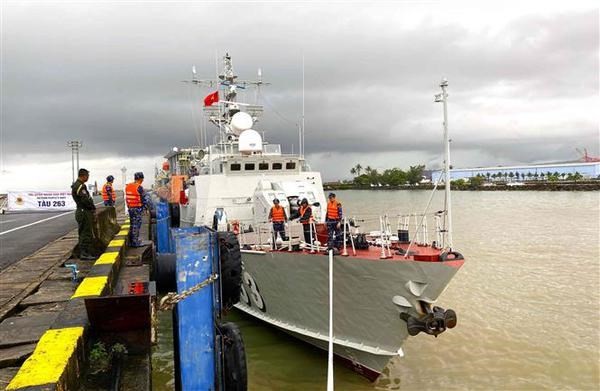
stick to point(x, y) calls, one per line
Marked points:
point(235, 373)
point(231, 268)
point(164, 272)
point(175, 216)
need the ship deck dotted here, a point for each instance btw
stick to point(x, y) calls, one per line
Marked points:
point(419, 253)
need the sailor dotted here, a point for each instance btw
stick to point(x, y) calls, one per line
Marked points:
point(108, 192)
point(306, 219)
point(278, 217)
point(333, 220)
point(137, 201)
point(84, 214)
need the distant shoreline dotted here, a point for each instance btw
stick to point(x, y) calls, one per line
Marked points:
point(545, 186)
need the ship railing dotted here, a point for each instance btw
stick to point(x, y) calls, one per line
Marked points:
point(263, 238)
point(421, 227)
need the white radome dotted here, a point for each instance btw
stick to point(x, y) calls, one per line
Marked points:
point(241, 121)
point(250, 141)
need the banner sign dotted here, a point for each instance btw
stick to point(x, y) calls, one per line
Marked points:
point(40, 200)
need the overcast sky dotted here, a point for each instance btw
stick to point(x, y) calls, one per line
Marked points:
point(523, 81)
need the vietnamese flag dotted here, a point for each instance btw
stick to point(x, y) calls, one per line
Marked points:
point(211, 98)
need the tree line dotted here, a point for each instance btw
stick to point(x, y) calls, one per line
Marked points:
point(368, 176)
point(543, 176)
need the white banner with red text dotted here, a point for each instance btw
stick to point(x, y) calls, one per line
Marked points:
point(40, 201)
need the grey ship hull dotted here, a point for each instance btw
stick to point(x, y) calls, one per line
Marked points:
point(290, 291)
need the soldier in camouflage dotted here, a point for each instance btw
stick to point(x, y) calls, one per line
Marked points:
point(84, 214)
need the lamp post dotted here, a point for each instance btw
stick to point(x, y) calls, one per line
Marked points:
point(74, 145)
point(124, 177)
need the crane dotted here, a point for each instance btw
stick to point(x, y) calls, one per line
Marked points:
point(587, 158)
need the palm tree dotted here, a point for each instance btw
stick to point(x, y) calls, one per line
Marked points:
point(511, 175)
point(353, 171)
point(563, 175)
point(529, 175)
point(487, 174)
point(358, 168)
point(517, 174)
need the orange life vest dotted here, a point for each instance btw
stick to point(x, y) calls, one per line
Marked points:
point(133, 198)
point(105, 192)
point(303, 210)
point(332, 210)
point(277, 214)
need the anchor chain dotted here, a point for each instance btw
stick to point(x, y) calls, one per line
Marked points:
point(170, 299)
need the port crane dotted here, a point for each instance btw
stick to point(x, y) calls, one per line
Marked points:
point(587, 158)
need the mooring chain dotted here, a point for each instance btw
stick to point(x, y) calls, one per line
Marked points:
point(172, 298)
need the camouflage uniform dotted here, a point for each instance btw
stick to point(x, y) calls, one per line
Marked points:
point(84, 215)
point(135, 217)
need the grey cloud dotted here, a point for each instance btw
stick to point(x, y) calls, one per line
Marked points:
point(110, 75)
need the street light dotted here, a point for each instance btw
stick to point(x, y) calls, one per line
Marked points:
point(74, 145)
point(124, 177)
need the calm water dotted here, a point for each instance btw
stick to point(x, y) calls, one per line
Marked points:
point(528, 301)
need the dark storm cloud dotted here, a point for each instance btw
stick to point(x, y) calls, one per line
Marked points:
point(109, 75)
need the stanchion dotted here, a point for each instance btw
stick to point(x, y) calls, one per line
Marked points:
point(310, 227)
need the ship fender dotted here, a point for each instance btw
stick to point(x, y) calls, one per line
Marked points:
point(231, 268)
point(163, 272)
point(235, 373)
point(451, 256)
point(175, 215)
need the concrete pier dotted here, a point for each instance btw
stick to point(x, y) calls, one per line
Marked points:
point(46, 333)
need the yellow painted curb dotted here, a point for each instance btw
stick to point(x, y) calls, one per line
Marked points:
point(125, 226)
point(116, 243)
point(49, 360)
point(91, 286)
point(123, 232)
point(108, 258)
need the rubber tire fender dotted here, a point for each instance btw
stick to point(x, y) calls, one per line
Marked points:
point(231, 268)
point(163, 272)
point(235, 372)
point(175, 215)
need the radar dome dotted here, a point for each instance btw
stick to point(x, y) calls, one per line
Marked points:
point(250, 141)
point(241, 121)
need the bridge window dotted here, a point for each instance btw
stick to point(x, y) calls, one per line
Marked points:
point(277, 166)
point(263, 166)
point(235, 167)
point(249, 166)
point(290, 166)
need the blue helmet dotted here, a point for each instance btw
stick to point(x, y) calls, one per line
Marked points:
point(138, 175)
point(110, 178)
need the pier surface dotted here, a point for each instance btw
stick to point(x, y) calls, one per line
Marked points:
point(40, 303)
point(21, 234)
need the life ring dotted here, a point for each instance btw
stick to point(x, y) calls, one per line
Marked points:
point(456, 256)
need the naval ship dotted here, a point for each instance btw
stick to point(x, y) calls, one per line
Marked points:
point(386, 282)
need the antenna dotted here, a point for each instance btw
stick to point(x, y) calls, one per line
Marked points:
point(443, 98)
point(302, 133)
